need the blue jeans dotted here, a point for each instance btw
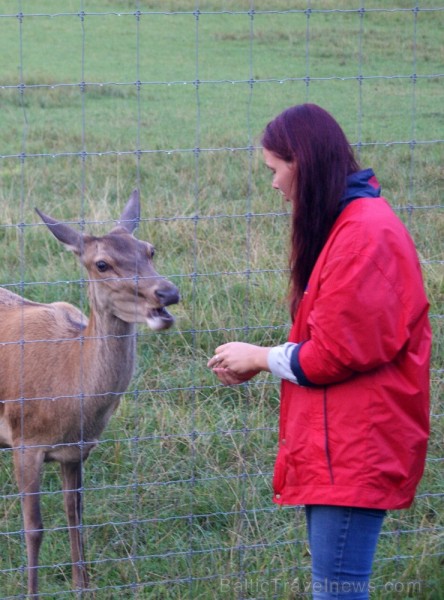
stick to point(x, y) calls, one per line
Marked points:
point(342, 543)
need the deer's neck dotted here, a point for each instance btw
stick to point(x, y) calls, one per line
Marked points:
point(110, 349)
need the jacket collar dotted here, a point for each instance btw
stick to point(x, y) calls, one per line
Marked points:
point(362, 184)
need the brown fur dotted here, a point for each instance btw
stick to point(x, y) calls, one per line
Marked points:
point(61, 375)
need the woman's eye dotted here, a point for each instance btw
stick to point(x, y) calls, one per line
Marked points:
point(102, 266)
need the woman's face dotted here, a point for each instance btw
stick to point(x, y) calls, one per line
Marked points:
point(284, 173)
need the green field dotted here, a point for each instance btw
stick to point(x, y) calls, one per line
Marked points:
point(100, 97)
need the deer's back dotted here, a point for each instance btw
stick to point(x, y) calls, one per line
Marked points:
point(23, 321)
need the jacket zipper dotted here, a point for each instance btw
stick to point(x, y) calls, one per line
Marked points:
point(327, 447)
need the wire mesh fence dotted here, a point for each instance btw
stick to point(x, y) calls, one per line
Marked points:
point(101, 97)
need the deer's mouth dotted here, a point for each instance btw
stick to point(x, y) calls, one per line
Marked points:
point(159, 318)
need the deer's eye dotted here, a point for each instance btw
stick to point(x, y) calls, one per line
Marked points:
point(102, 266)
point(151, 251)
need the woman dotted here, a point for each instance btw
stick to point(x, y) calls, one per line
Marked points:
point(355, 370)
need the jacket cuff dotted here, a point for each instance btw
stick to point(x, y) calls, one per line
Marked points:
point(296, 368)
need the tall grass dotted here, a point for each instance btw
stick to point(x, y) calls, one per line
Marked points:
point(177, 494)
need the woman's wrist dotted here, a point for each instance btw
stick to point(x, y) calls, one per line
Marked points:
point(260, 359)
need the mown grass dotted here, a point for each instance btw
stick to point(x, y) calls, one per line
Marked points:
point(177, 494)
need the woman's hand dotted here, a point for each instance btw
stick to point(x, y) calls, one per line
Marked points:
point(236, 362)
point(228, 377)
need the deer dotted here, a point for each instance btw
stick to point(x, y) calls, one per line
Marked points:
point(62, 374)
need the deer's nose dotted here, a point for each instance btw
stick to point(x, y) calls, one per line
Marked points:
point(168, 295)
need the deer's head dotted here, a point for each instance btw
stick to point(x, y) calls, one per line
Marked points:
point(122, 277)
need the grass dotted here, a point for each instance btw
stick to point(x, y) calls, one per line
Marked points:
point(177, 494)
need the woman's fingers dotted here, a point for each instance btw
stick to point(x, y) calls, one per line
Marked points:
point(227, 377)
point(215, 361)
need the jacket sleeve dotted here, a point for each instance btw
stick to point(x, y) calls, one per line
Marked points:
point(279, 361)
point(358, 321)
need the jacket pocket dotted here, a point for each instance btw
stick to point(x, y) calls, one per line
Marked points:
point(280, 471)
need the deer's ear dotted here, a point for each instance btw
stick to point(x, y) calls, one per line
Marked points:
point(130, 217)
point(72, 239)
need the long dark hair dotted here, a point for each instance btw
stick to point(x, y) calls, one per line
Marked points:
point(310, 137)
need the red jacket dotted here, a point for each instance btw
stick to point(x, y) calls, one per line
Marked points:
point(356, 435)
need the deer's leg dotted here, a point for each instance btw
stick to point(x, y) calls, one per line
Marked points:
point(72, 488)
point(27, 467)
